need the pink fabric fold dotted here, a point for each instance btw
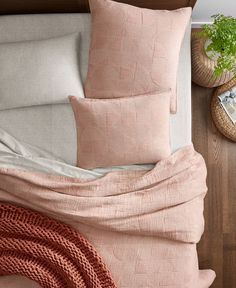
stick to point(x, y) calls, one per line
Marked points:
point(145, 225)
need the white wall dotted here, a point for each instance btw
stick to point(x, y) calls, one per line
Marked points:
point(205, 8)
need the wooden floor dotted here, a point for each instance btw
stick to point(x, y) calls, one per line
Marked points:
point(217, 249)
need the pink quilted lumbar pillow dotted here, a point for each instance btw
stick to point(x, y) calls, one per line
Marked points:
point(122, 131)
point(134, 50)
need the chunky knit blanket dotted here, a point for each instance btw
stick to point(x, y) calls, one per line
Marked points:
point(48, 251)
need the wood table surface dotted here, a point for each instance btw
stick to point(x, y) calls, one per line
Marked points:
point(217, 249)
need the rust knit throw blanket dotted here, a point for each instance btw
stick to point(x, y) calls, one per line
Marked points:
point(48, 251)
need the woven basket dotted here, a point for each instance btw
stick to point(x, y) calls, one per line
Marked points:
point(220, 118)
point(203, 67)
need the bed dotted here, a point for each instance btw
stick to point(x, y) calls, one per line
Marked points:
point(48, 131)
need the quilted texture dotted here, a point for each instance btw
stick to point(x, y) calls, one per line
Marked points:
point(48, 252)
point(145, 225)
point(134, 51)
point(122, 131)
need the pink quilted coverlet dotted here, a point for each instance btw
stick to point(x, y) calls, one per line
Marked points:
point(145, 225)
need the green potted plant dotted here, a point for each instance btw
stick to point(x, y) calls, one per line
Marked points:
point(215, 45)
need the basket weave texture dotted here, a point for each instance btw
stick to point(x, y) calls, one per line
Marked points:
point(220, 117)
point(203, 67)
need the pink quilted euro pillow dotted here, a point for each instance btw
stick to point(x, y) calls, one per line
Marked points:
point(133, 50)
point(122, 131)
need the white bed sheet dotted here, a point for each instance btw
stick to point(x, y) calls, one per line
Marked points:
point(17, 155)
point(52, 127)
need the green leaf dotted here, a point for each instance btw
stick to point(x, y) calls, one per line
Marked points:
point(222, 34)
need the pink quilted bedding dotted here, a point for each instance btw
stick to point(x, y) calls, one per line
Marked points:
point(145, 225)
